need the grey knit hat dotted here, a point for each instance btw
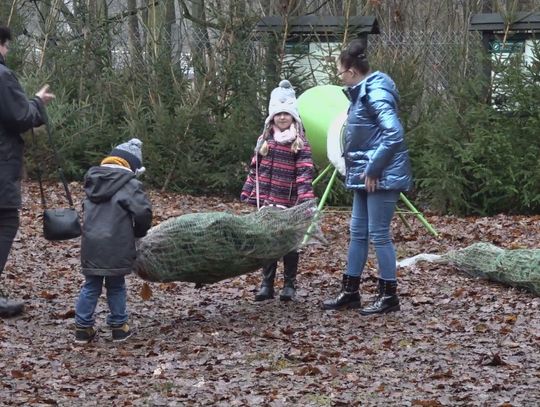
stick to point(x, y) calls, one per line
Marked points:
point(283, 99)
point(131, 152)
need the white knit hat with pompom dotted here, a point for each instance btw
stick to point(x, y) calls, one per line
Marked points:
point(283, 99)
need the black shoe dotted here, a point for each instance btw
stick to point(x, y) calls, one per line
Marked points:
point(10, 308)
point(265, 293)
point(84, 334)
point(386, 301)
point(121, 332)
point(349, 297)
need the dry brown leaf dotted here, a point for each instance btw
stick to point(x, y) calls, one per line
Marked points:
point(17, 374)
point(48, 295)
point(146, 291)
point(426, 403)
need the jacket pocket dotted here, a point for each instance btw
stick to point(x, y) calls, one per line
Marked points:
point(357, 161)
point(10, 184)
point(11, 148)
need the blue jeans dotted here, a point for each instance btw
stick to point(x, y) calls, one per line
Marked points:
point(89, 295)
point(371, 217)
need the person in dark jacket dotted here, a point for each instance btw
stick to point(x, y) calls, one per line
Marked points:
point(280, 174)
point(377, 170)
point(116, 212)
point(18, 114)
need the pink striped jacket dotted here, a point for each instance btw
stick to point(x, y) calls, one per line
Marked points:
point(284, 177)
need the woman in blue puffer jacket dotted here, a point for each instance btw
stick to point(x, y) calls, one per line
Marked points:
point(378, 169)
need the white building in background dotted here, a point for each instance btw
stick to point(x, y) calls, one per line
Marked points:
point(507, 37)
point(315, 61)
point(504, 52)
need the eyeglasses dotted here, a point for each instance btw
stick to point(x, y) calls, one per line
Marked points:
point(342, 72)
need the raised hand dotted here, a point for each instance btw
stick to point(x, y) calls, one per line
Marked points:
point(45, 94)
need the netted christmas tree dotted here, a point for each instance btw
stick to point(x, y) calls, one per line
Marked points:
point(204, 248)
point(514, 267)
point(517, 268)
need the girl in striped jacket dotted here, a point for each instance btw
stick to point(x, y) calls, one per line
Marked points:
point(280, 174)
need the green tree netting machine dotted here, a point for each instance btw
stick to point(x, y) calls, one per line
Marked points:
point(323, 110)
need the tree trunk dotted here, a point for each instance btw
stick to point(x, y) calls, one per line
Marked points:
point(201, 45)
point(47, 24)
point(10, 16)
point(271, 43)
point(169, 20)
point(102, 22)
point(134, 35)
point(487, 6)
point(349, 8)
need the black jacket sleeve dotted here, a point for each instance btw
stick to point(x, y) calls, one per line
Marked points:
point(140, 208)
point(17, 112)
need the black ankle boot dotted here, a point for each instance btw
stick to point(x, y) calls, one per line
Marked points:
point(386, 301)
point(349, 297)
point(290, 266)
point(267, 286)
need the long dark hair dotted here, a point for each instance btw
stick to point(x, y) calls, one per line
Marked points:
point(354, 56)
point(5, 34)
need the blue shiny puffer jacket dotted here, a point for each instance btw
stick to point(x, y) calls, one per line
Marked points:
point(374, 142)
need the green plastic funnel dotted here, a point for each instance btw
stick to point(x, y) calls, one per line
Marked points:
point(319, 107)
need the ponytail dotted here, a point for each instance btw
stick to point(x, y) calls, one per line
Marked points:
point(263, 150)
point(298, 143)
point(354, 56)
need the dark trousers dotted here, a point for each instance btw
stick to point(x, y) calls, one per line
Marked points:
point(9, 224)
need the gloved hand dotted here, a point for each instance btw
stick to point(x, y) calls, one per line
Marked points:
point(139, 171)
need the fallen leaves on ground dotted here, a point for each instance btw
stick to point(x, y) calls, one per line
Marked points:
point(456, 341)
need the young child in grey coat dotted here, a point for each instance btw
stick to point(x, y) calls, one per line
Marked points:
point(116, 212)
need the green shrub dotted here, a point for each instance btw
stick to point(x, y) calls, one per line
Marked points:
point(468, 157)
point(474, 158)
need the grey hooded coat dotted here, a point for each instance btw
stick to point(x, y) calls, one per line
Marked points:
point(116, 212)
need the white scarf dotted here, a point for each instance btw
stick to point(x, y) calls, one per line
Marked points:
point(286, 136)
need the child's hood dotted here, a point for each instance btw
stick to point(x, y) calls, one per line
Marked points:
point(101, 183)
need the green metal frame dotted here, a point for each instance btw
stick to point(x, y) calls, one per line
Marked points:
point(412, 210)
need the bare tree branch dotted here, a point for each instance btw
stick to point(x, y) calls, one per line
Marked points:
point(187, 14)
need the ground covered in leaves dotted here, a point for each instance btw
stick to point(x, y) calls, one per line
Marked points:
point(456, 341)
